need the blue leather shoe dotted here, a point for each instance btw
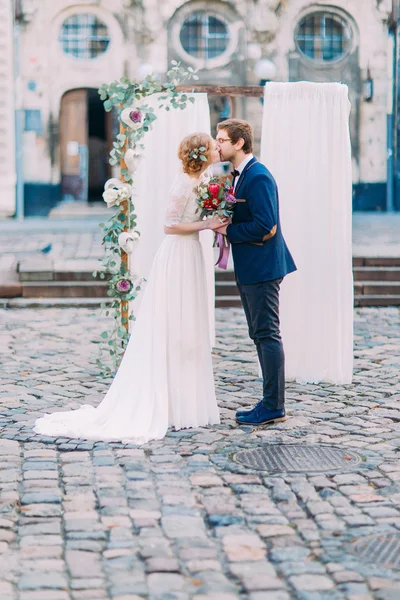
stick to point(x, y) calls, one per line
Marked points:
point(241, 413)
point(262, 416)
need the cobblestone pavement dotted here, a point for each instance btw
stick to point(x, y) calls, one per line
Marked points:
point(65, 239)
point(179, 518)
point(376, 234)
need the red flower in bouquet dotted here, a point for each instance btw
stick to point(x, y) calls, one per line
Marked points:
point(213, 188)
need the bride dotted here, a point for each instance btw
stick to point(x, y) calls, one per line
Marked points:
point(166, 377)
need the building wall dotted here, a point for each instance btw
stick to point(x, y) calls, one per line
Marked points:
point(48, 73)
point(148, 32)
point(368, 119)
point(7, 145)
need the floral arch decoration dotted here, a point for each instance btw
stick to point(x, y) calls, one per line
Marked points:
point(120, 233)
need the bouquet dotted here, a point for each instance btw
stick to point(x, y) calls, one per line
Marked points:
point(215, 198)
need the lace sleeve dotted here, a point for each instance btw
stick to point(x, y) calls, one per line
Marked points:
point(178, 198)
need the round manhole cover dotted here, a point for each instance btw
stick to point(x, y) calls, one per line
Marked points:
point(383, 549)
point(298, 458)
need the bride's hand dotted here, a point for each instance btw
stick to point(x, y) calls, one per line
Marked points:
point(216, 223)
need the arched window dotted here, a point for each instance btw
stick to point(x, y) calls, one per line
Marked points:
point(204, 35)
point(84, 36)
point(324, 36)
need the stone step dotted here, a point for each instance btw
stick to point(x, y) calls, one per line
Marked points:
point(53, 302)
point(376, 273)
point(43, 268)
point(227, 301)
point(377, 300)
point(220, 301)
point(377, 288)
point(224, 275)
point(376, 261)
point(64, 289)
point(94, 289)
point(226, 288)
point(10, 289)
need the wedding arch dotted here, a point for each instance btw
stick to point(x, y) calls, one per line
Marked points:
point(321, 332)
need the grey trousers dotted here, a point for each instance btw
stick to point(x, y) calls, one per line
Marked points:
point(261, 306)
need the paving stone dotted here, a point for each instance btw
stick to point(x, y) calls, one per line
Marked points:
point(381, 583)
point(243, 547)
point(311, 583)
point(165, 582)
point(162, 565)
point(83, 564)
point(44, 595)
point(41, 498)
point(347, 576)
point(43, 581)
point(272, 595)
point(183, 527)
point(274, 530)
point(217, 596)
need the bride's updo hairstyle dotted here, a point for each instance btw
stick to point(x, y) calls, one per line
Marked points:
point(191, 149)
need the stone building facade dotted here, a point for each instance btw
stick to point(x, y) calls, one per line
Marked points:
point(8, 100)
point(68, 49)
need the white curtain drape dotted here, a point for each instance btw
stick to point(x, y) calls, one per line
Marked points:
point(156, 172)
point(306, 145)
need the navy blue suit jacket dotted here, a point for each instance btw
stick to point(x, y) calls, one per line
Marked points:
point(259, 250)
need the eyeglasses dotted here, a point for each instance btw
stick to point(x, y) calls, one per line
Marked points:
point(221, 140)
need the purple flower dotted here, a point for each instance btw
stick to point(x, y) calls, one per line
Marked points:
point(123, 286)
point(230, 198)
point(135, 116)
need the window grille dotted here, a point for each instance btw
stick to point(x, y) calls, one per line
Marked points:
point(84, 36)
point(324, 37)
point(204, 35)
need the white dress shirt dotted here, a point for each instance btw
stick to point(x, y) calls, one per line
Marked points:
point(241, 167)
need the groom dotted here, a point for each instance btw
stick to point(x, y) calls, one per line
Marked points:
point(261, 260)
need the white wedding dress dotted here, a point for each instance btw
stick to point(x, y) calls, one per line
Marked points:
point(166, 376)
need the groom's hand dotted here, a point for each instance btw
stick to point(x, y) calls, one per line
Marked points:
point(222, 229)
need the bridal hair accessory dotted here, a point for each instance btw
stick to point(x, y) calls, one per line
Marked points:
point(116, 191)
point(197, 153)
point(128, 240)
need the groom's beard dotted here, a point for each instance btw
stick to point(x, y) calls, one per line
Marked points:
point(227, 158)
point(224, 158)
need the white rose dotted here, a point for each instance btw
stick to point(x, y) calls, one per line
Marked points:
point(111, 197)
point(125, 191)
